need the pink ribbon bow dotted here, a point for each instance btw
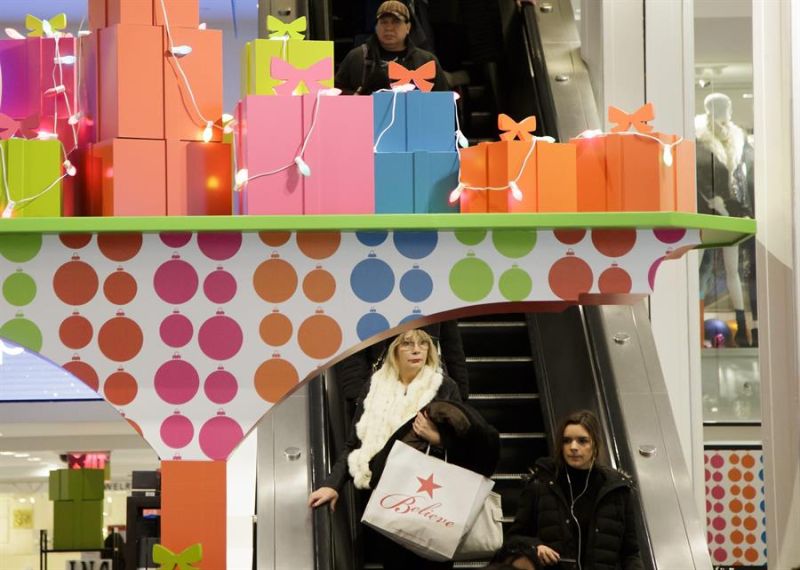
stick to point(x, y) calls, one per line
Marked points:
point(638, 119)
point(420, 76)
point(312, 76)
point(522, 130)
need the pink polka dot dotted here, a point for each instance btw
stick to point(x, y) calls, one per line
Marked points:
point(176, 239)
point(720, 554)
point(708, 505)
point(718, 523)
point(709, 537)
point(219, 286)
point(717, 492)
point(177, 431)
point(717, 461)
point(708, 474)
point(669, 235)
point(717, 476)
point(175, 281)
point(176, 381)
point(221, 386)
point(218, 245)
point(176, 330)
point(220, 337)
point(718, 508)
point(719, 539)
point(651, 273)
point(219, 436)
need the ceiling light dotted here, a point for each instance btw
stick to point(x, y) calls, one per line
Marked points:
point(34, 458)
point(31, 500)
point(6, 453)
point(23, 500)
point(744, 96)
point(21, 455)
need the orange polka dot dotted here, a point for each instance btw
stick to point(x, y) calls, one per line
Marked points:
point(735, 489)
point(84, 373)
point(736, 521)
point(319, 286)
point(735, 506)
point(120, 288)
point(748, 476)
point(275, 329)
point(751, 539)
point(737, 537)
point(135, 426)
point(318, 245)
point(274, 378)
point(750, 523)
point(737, 552)
point(734, 474)
point(750, 507)
point(319, 336)
point(734, 458)
point(751, 555)
point(120, 388)
point(748, 461)
point(749, 492)
point(275, 280)
point(119, 246)
point(274, 239)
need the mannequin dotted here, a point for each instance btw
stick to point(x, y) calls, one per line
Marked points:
point(725, 186)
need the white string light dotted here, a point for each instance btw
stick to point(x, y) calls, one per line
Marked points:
point(666, 148)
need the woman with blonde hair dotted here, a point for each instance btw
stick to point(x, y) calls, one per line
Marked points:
point(408, 380)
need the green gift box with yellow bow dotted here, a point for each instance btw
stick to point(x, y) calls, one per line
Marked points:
point(30, 178)
point(286, 41)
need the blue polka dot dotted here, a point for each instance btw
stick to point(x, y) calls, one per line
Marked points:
point(372, 239)
point(413, 316)
point(371, 324)
point(416, 245)
point(764, 538)
point(372, 280)
point(416, 285)
point(761, 474)
point(763, 506)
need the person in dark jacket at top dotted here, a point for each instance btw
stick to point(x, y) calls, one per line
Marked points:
point(366, 68)
point(575, 513)
point(395, 397)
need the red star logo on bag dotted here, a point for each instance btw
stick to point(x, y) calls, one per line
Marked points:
point(427, 485)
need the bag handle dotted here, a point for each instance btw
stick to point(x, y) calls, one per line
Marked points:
point(428, 452)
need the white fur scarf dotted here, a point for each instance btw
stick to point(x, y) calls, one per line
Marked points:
point(388, 405)
point(725, 142)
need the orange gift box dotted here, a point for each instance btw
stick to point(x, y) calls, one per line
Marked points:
point(103, 13)
point(626, 171)
point(198, 179)
point(181, 13)
point(203, 68)
point(129, 178)
point(131, 82)
point(545, 174)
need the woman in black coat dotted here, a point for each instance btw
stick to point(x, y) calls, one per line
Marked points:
point(575, 512)
point(407, 382)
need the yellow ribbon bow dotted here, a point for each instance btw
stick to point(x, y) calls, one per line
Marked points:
point(512, 129)
point(292, 30)
point(47, 28)
point(185, 560)
point(638, 119)
point(419, 76)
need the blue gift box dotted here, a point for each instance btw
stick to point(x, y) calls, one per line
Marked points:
point(415, 182)
point(422, 121)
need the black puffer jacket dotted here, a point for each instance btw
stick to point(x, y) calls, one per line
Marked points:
point(363, 71)
point(544, 518)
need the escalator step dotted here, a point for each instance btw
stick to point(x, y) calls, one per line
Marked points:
point(492, 377)
point(511, 416)
point(496, 340)
point(498, 359)
point(490, 324)
point(505, 317)
point(505, 396)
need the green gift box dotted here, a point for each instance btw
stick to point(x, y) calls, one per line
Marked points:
point(257, 56)
point(32, 169)
point(77, 525)
point(77, 485)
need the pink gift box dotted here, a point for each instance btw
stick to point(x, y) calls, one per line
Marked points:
point(270, 135)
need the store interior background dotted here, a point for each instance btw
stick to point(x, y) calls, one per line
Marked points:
point(44, 412)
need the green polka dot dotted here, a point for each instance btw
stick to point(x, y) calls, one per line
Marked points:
point(20, 247)
point(470, 237)
point(514, 243)
point(515, 284)
point(23, 332)
point(471, 279)
point(19, 289)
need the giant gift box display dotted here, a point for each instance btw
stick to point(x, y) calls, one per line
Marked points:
point(635, 170)
point(77, 496)
point(543, 172)
point(30, 168)
point(416, 163)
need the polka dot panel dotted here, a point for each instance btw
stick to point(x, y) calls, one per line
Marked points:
point(194, 336)
point(734, 507)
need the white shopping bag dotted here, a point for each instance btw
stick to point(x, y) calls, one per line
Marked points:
point(424, 503)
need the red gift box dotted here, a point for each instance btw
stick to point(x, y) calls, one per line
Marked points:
point(198, 179)
point(129, 178)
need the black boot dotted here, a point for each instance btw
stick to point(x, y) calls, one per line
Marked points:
point(741, 330)
point(754, 337)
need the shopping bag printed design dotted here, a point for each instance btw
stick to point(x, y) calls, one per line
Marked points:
point(424, 503)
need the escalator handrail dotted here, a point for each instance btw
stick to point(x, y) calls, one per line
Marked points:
point(538, 65)
point(320, 464)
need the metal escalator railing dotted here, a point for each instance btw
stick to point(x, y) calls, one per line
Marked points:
point(537, 63)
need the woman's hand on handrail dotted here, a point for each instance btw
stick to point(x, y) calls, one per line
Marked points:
point(323, 495)
point(427, 430)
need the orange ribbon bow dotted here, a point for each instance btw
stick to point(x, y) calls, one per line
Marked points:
point(419, 76)
point(638, 119)
point(522, 130)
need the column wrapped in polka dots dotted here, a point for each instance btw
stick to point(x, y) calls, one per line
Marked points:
point(735, 506)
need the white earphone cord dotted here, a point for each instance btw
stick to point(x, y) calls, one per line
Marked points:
point(574, 500)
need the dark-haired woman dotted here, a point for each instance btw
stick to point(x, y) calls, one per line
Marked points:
point(575, 512)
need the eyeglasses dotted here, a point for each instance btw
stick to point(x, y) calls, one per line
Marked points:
point(408, 344)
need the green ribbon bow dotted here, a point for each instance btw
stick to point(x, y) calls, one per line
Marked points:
point(185, 560)
point(47, 28)
point(292, 30)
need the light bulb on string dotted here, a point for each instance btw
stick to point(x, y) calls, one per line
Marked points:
point(456, 193)
point(666, 155)
point(516, 192)
point(69, 168)
point(75, 119)
point(46, 136)
point(241, 178)
point(9, 209)
point(56, 90)
point(180, 51)
point(208, 132)
point(590, 134)
point(462, 140)
point(65, 60)
point(302, 166)
point(14, 34)
point(84, 33)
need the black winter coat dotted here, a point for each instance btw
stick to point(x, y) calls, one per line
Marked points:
point(340, 472)
point(363, 72)
point(544, 518)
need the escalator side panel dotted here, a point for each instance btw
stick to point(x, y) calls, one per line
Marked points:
point(641, 421)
